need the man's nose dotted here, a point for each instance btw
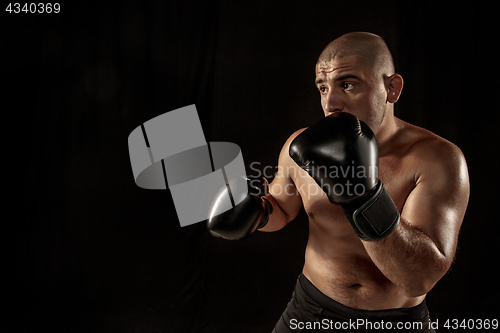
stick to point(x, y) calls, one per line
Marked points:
point(332, 103)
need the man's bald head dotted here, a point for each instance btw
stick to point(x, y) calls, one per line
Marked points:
point(355, 73)
point(371, 48)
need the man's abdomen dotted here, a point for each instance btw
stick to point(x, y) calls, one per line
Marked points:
point(339, 266)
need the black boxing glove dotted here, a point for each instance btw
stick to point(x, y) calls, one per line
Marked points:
point(243, 219)
point(341, 154)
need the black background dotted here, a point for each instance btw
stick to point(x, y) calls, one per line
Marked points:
point(89, 251)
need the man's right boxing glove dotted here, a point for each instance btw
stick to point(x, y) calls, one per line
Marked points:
point(340, 153)
point(243, 219)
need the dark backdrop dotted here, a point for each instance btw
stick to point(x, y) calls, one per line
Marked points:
point(89, 251)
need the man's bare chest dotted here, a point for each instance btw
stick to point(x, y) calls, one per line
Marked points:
point(397, 175)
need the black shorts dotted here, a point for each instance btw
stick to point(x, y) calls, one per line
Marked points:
point(310, 310)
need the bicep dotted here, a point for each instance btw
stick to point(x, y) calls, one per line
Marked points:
point(285, 194)
point(437, 204)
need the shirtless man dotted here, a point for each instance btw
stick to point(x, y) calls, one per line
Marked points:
point(353, 276)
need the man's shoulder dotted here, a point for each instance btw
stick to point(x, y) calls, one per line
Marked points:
point(286, 146)
point(284, 159)
point(294, 135)
point(429, 150)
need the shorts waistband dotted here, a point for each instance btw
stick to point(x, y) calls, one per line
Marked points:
point(417, 313)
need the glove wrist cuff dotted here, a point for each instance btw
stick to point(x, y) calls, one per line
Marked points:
point(376, 217)
point(267, 213)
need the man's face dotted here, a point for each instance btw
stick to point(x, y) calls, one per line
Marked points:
point(348, 84)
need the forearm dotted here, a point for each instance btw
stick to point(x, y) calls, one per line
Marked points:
point(409, 258)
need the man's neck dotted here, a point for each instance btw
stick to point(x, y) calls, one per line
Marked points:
point(386, 132)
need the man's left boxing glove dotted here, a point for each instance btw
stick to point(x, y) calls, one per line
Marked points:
point(250, 214)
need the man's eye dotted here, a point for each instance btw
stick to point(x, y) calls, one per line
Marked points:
point(322, 90)
point(347, 86)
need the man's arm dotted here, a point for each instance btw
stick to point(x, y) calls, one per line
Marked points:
point(421, 249)
point(283, 194)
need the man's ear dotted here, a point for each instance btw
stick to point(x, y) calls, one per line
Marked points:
point(394, 84)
